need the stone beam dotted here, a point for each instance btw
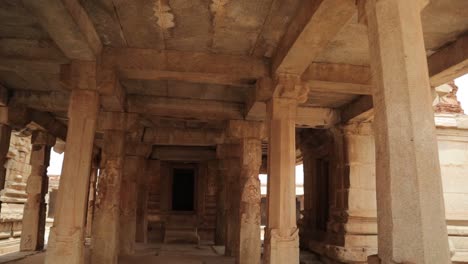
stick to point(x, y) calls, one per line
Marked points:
point(41, 100)
point(183, 136)
point(307, 117)
point(180, 153)
point(444, 66)
point(358, 110)
point(449, 62)
point(48, 122)
point(338, 78)
point(148, 64)
point(314, 26)
point(31, 49)
point(184, 108)
point(69, 26)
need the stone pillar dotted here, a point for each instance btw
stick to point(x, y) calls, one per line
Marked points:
point(281, 234)
point(307, 223)
point(135, 168)
point(250, 149)
point(34, 214)
point(153, 167)
point(5, 134)
point(411, 219)
point(92, 193)
point(106, 223)
point(220, 233)
point(66, 242)
point(230, 168)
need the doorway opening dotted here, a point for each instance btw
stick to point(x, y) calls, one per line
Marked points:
point(183, 190)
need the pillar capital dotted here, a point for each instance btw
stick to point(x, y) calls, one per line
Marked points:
point(79, 75)
point(241, 129)
point(40, 137)
point(290, 86)
point(15, 116)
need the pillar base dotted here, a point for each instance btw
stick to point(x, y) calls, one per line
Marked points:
point(65, 248)
point(281, 246)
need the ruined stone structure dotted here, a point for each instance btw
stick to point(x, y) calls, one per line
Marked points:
point(14, 196)
point(179, 105)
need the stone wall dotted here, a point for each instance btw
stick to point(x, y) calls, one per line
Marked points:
point(160, 216)
point(351, 233)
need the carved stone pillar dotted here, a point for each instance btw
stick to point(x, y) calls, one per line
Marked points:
point(92, 193)
point(410, 204)
point(5, 134)
point(153, 170)
point(66, 242)
point(229, 164)
point(135, 169)
point(106, 223)
point(34, 215)
point(220, 233)
point(281, 236)
point(248, 137)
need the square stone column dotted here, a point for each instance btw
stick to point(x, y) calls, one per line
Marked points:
point(281, 234)
point(153, 167)
point(230, 169)
point(135, 168)
point(106, 223)
point(66, 241)
point(220, 233)
point(410, 205)
point(34, 214)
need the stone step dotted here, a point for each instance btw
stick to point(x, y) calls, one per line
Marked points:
point(189, 236)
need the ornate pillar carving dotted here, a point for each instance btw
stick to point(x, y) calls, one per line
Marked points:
point(34, 214)
point(106, 221)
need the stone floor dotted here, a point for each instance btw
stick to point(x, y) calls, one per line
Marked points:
point(157, 254)
point(154, 254)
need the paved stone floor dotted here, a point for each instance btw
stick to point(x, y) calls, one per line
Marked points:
point(154, 254)
point(158, 254)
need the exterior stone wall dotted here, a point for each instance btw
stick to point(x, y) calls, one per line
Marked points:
point(351, 233)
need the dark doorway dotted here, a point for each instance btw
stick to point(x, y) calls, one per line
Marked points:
point(183, 189)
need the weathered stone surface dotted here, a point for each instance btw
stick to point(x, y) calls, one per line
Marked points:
point(66, 241)
point(106, 223)
point(34, 215)
point(410, 202)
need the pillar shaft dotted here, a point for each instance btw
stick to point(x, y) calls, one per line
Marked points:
point(281, 237)
point(231, 170)
point(411, 219)
point(92, 195)
point(250, 197)
point(66, 242)
point(34, 214)
point(153, 167)
point(5, 134)
point(220, 234)
point(134, 165)
point(107, 206)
